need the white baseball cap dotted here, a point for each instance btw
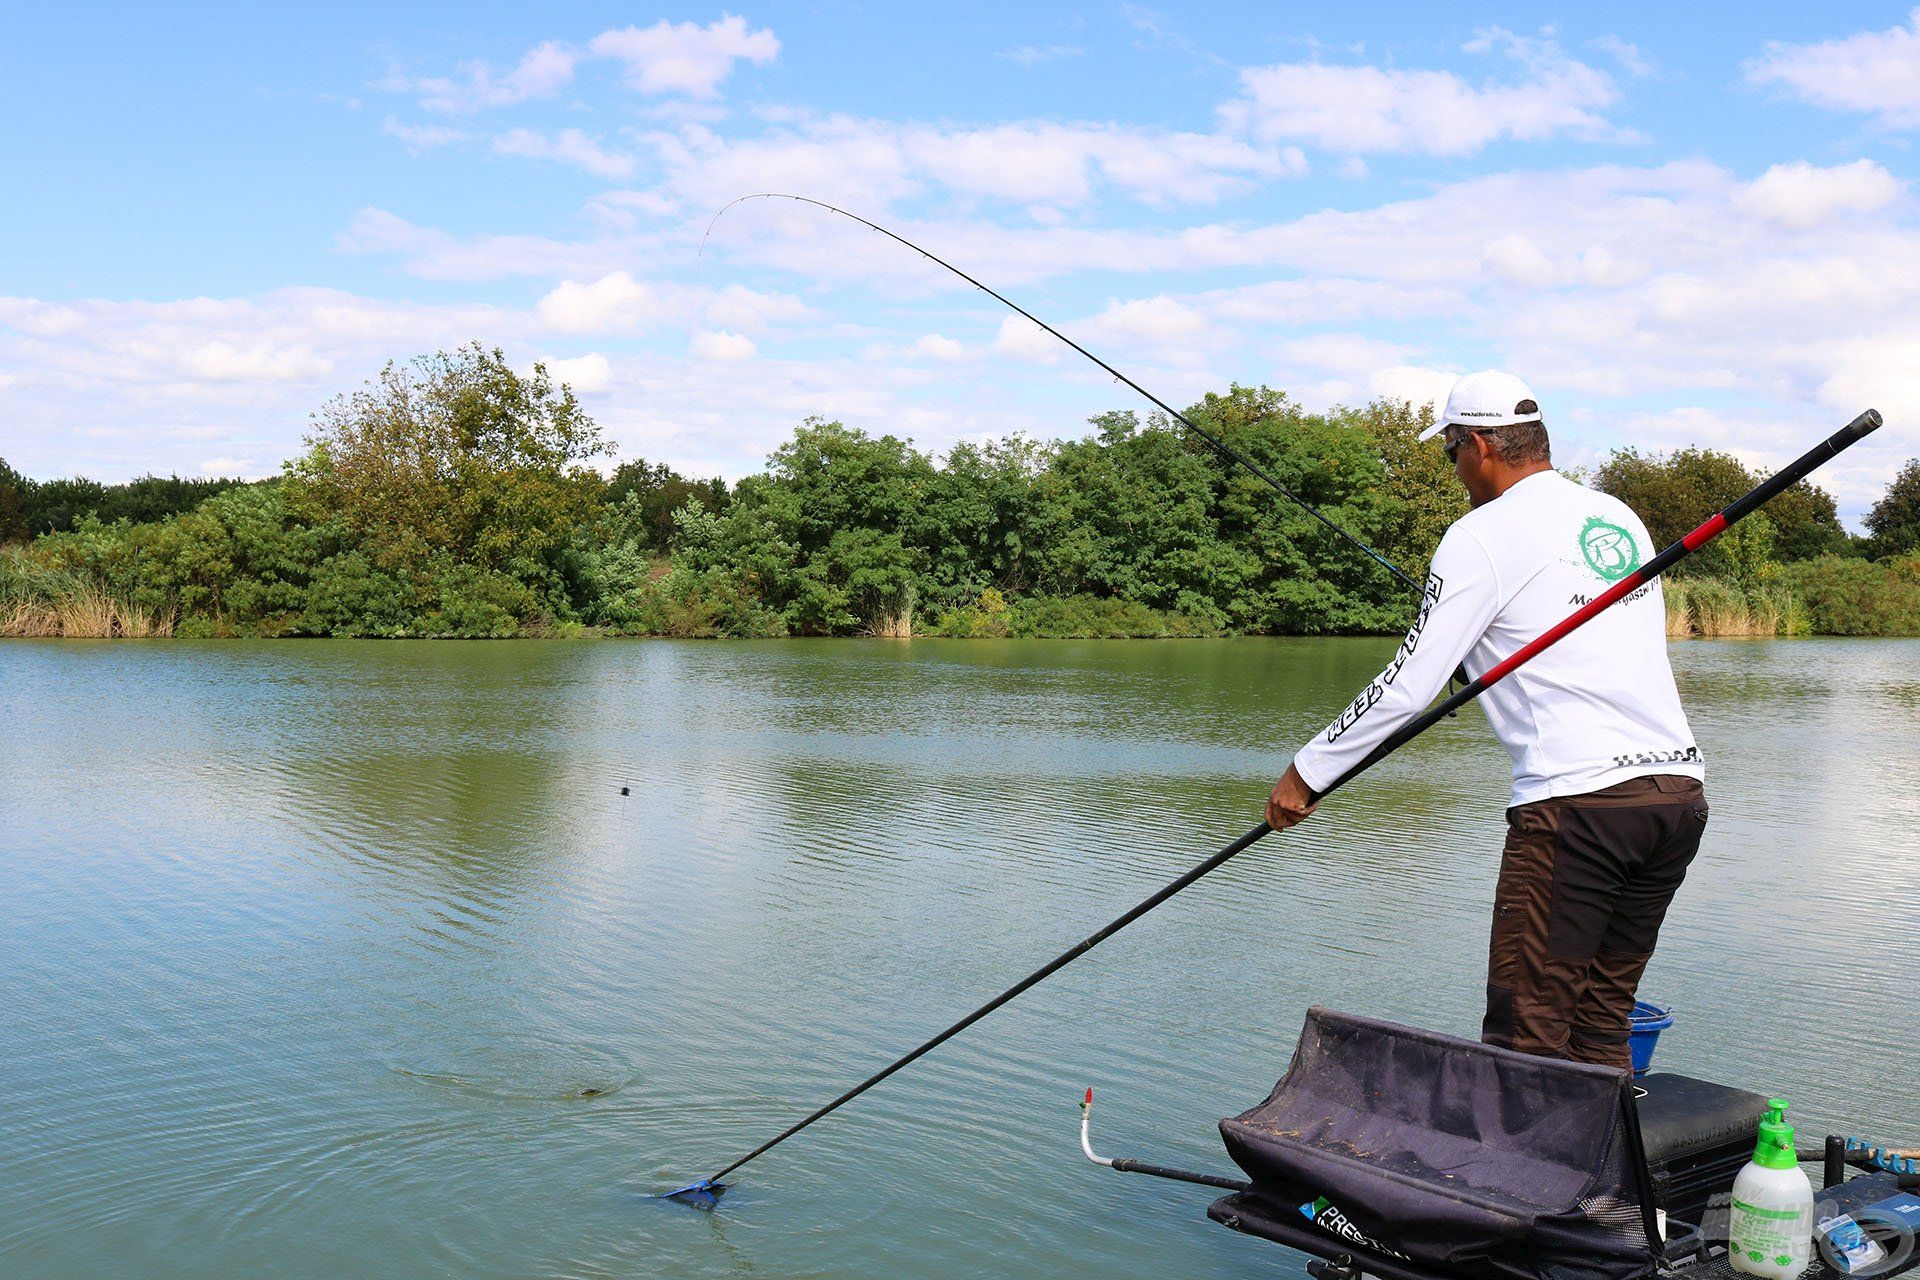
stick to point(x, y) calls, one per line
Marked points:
point(1489, 398)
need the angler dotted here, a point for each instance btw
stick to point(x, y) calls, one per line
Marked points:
point(1393, 1153)
point(1608, 803)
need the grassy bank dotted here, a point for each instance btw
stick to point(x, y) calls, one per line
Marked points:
point(1827, 596)
point(1839, 596)
point(37, 601)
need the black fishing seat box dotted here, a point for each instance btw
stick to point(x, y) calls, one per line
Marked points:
point(1412, 1155)
point(1697, 1136)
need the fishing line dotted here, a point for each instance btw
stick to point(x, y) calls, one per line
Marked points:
point(1220, 446)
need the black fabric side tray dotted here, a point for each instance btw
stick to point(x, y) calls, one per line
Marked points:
point(1423, 1155)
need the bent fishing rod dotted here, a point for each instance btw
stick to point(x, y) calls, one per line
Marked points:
point(706, 1192)
point(1219, 446)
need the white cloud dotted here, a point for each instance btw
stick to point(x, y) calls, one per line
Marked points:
point(227, 466)
point(439, 255)
point(1542, 92)
point(711, 344)
point(678, 58)
point(42, 319)
point(585, 374)
point(1159, 319)
point(850, 159)
point(1022, 162)
point(1028, 55)
point(1871, 71)
point(738, 307)
point(226, 362)
point(936, 346)
point(1326, 300)
point(135, 386)
point(1022, 339)
point(683, 57)
point(1347, 353)
point(569, 146)
point(626, 211)
point(423, 137)
point(1803, 196)
point(1415, 384)
point(1324, 369)
point(614, 302)
point(1515, 259)
point(873, 163)
point(1632, 59)
point(112, 396)
point(542, 72)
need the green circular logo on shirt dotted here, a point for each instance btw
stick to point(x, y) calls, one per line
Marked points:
point(1610, 551)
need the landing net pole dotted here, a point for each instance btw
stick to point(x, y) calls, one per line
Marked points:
point(708, 1189)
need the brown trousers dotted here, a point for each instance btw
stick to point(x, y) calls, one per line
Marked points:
point(1585, 882)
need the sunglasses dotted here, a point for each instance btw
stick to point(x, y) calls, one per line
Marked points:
point(1452, 446)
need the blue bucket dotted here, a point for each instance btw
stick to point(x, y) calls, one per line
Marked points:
point(1648, 1021)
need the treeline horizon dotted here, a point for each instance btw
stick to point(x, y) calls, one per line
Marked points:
point(452, 496)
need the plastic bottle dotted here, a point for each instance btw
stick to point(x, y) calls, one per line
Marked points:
point(1771, 1229)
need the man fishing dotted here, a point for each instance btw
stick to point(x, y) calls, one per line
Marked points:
point(1608, 804)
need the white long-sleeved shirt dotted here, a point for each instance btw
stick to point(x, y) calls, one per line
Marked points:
point(1597, 708)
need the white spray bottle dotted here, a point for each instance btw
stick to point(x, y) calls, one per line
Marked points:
point(1771, 1229)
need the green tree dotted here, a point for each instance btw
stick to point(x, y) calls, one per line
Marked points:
point(455, 459)
point(1297, 575)
point(1807, 524)
point(14, 489)
point(55, 506)
point(1426, 494)
point(982, 519)
point(1894, 522)
point(150, 498)
point(1133, 512)
point(823, 537)
point(1674, 492)
point(659, 491)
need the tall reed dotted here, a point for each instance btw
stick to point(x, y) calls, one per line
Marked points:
point(1713, 608)
point(37, 601)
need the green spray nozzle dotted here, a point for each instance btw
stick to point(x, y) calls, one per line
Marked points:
point(1775, 1148)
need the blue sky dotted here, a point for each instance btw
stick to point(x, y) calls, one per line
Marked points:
point(1682, 224)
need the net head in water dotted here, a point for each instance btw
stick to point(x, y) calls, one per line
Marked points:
point(704, 1194)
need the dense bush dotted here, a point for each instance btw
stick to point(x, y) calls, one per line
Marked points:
point(1849, 597)
point(993, 616)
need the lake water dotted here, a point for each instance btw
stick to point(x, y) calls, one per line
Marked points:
point(328, 959)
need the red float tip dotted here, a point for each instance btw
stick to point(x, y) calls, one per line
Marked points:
point(1089, 1094)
